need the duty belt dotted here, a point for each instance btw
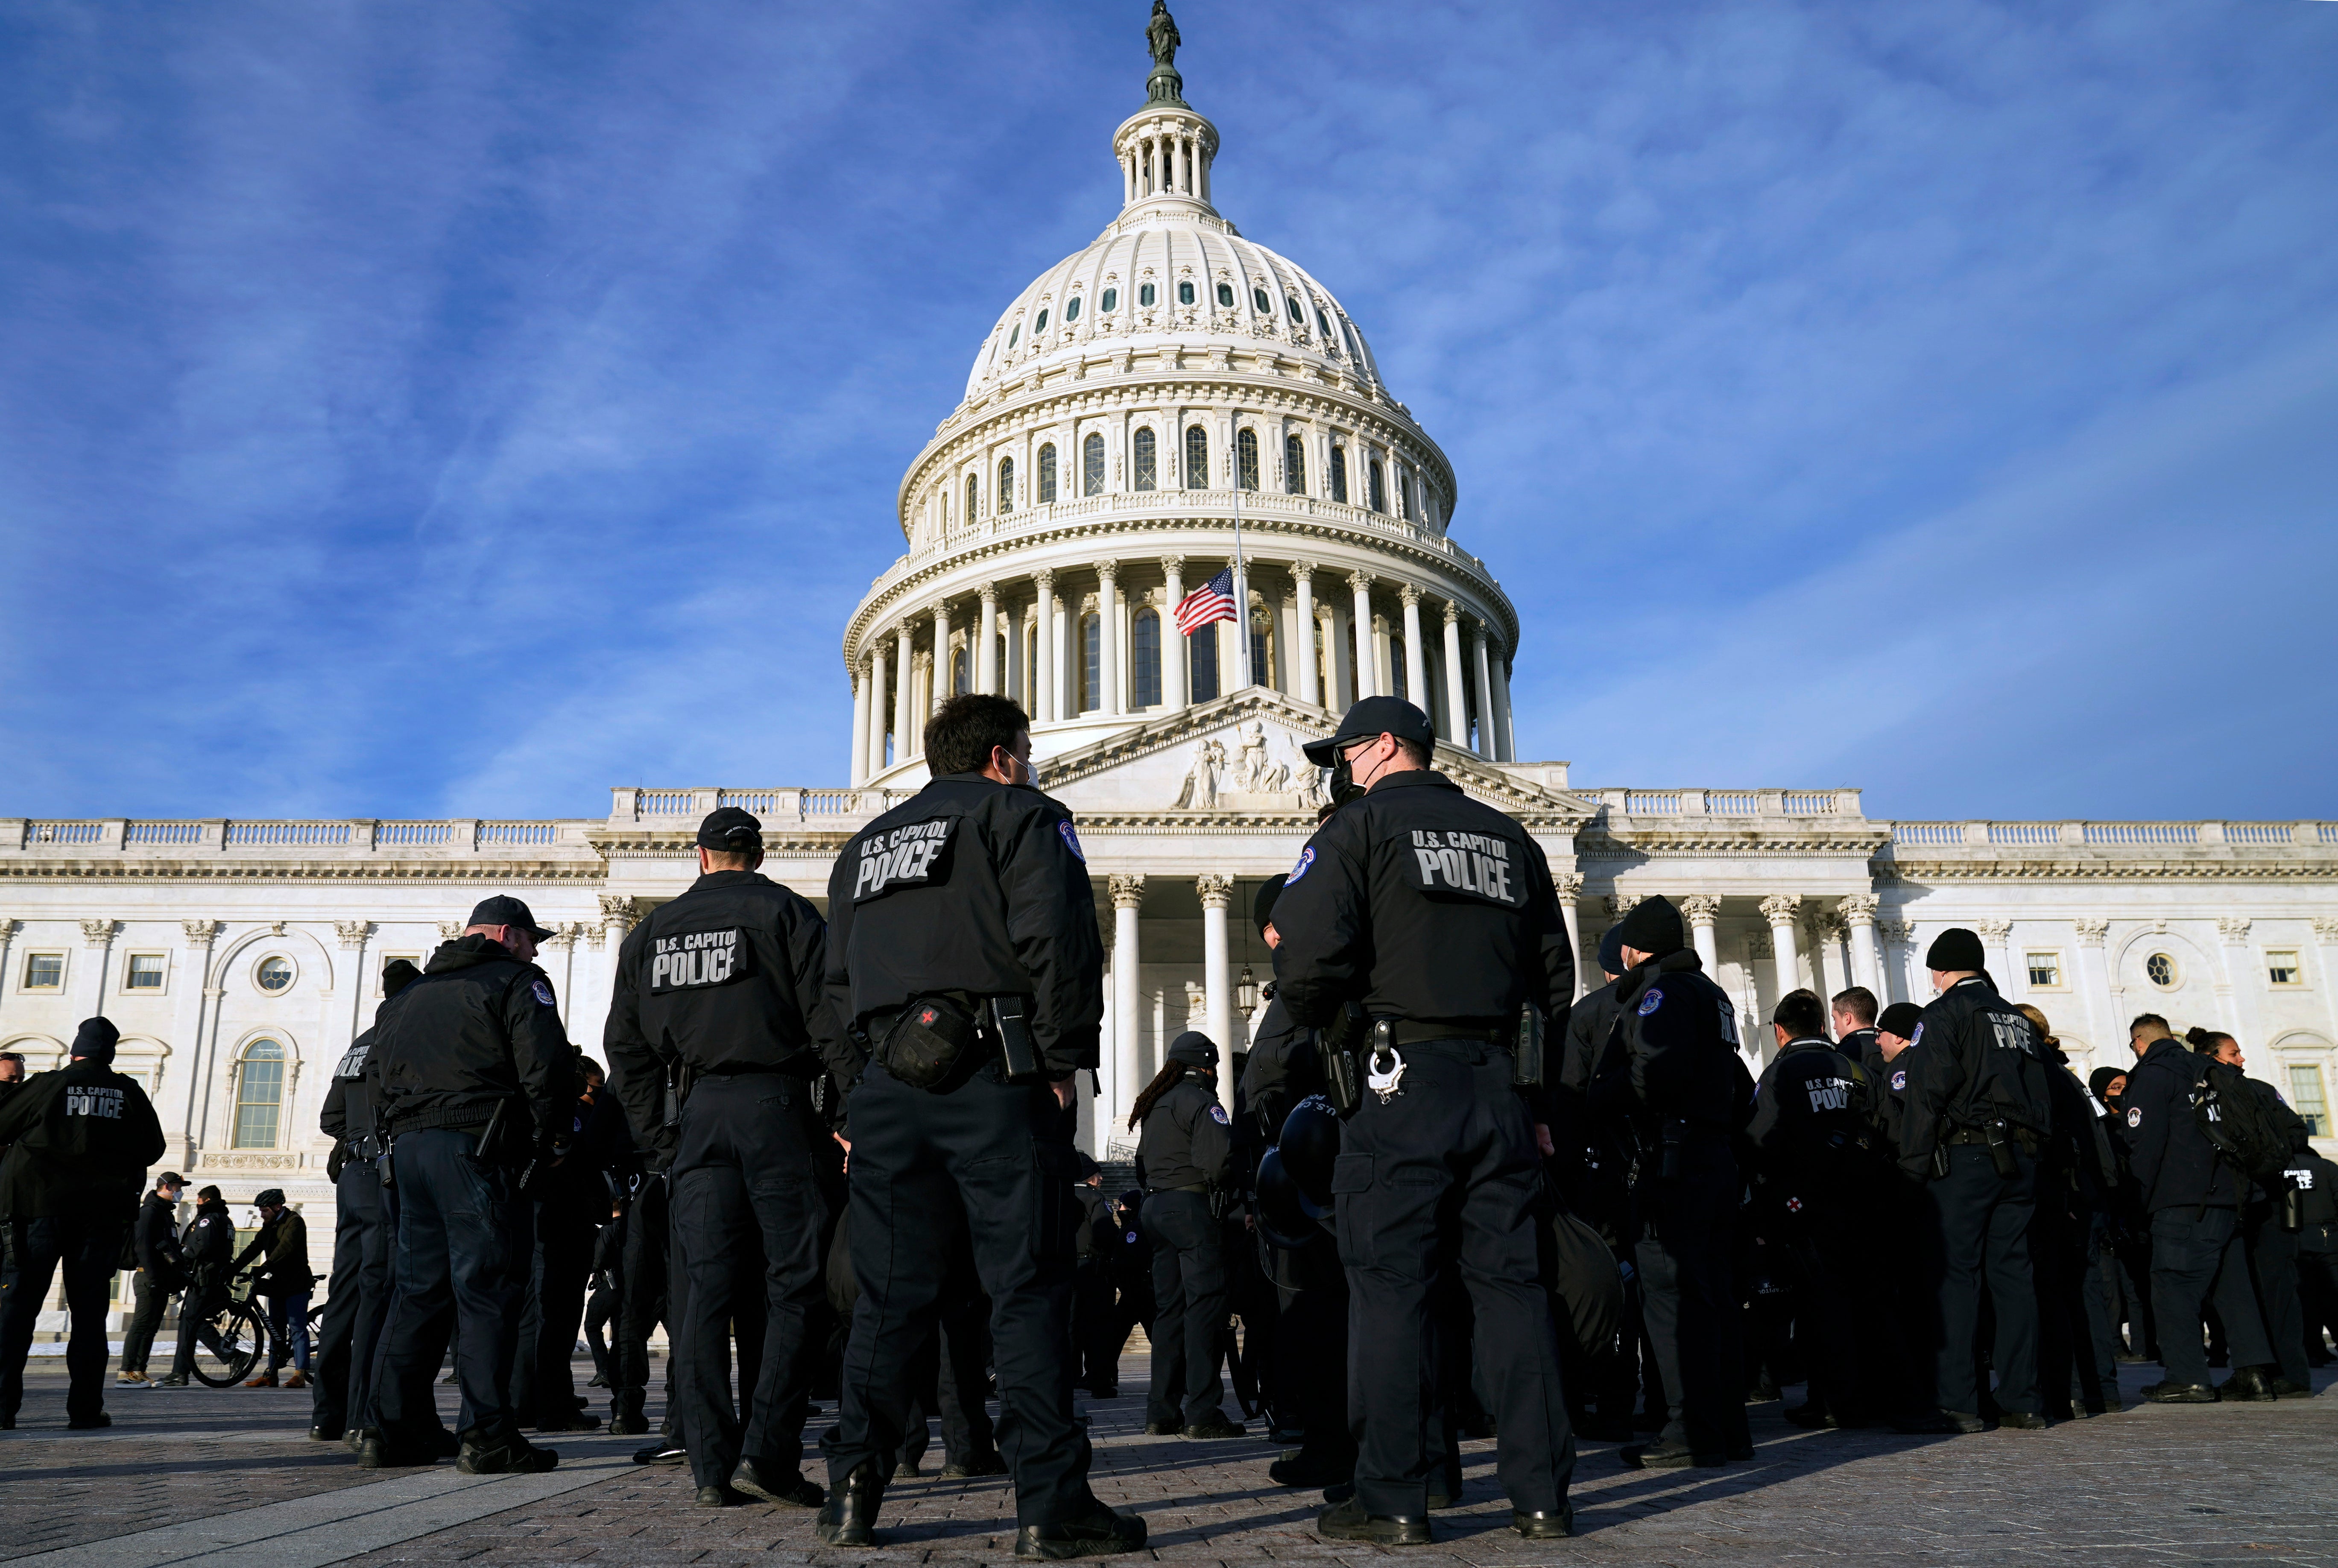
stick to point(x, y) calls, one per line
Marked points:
point(1405, 1032)
point(2021, 1136)
point(1196, 1187)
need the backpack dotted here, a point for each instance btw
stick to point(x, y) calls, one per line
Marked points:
point(1586, 1285)
point(2235, 1122)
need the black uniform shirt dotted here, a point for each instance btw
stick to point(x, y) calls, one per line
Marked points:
point(1856, 1044)
point(970, 888)
point(156, 1240)
point(347, 1116)
point(1187, 1139)
point(2316, 1180)
point(480, 1029)
point(1981, 1063)
point(79, 1136)
point(725, 978)
point(207, 1243)
point(1423, 904)
point(1281, 1071)
point(2286, 1123)
point(1809, 1112)
point(1677, 1049)
point(2175, 1164)
point(1886, 1091)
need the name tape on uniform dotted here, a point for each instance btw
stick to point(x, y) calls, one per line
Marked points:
point(1828, 1093)
point(100, 1100)
point(694, 960)
point(1473, 864)
point(909, 857)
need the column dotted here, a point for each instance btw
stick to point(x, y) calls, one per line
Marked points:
point(942, 682)
point(195, 983)
point(2095, 983)
point(1217, 976)
point(1995, 943)
point(2325, 939)
point(1780, 909)
point(1108, 636)
point(1701, 909)
point(1899, 935)
point(905, 692)
point(1486, 746)
point(985, 654)
point(1128, 999)
point(88, 987)
point(1568, 886)
point(1416, 661)
point(1342, 659)
point(1175, 653)
point(1362, 585)
point(877, 708)
point(1456, 701)
point(1858, 912)
point(1044, 683)
point(2240, 983)
point(1830, 967)
point(857, 771)
point(1505, 747)
point(1302, 575)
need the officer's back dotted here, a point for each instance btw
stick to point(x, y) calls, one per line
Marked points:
point(1979, 1072)
point(478, 1033)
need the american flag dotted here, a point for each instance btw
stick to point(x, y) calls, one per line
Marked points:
point(1214, 600)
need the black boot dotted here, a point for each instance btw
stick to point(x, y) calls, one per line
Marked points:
point(774, 1485)
point(850, 1517)
point(1550, 1527)
point(2247, 1385)
point(1347, 1521)
point(1100, 1533)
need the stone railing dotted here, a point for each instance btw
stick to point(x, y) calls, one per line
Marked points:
point(224, 835)
point(1746, 803)
point(773, 808)
point(2115, 834)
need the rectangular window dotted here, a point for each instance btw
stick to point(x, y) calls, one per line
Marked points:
point(1246, 459)
point(1146, 634)
point(44, 971)
point(2306, 1094)
point(144, 973)
point(1048, 475)
point(1091, 663)
point(1338, 473)
point(1377, 496)
point(1262, 655)
point(1203, 646)
point(2045, 968)
point(1146, 461)
point(2281, 967)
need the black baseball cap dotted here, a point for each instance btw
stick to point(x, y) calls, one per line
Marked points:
point(170, 1179)
point(272, 1197)
point(1373, 716)
point(730, 831)
point(503, 909)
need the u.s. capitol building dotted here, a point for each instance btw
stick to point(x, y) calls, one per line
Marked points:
point(1127, 413)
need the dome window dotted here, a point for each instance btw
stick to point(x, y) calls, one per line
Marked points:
point(1072, 310)
point(1225, 296)
point(1042, 324)
point(1111, 301)
point(1266, 306)
point(1048, 474)
point(1246, 459)
point(1015, 337)
point(1322, 322)
point(1144, 295)
point(1185, 293)
point(1092, 466)
point(1144, 459)
point(1296, 318)
point(1197, 457)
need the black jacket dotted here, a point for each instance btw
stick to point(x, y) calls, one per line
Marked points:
point(1098, 1226)
point(2286, 1123)
point(284, 1241)
point(1887, 1091)
point(347, 1116)
point(1423, 904)
point(1676, 1056)
point(973, 888)
point(1187, 1139)
point(1975, 1060)
point(479, 1029)
point(1281, 1070)
point(725, 978)
point(208, 1243)
point(80, 1140)
point(2174, 1165)
point(156, 1239)
point(1809, 1124)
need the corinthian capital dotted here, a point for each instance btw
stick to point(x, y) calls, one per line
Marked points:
point(1127, 892)
point(1700, 909)
point(2091, 931)
point(97, 933)
point(200, 932)
point(1216, 891)
point(1622, 904)
point(352, 933)
point(1859, 909)
point(1568, 885)
point(1780, 909)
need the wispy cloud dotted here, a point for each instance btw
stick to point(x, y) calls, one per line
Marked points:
point(420, 409)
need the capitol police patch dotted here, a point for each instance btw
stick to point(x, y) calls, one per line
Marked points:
point(2135, 1116)
point(1306, 860)
point(1651, 1002)
point(1900, 1082)
point(543, 993)
point(1218, 1116)
point(1071, 842)
point(1918, 1037)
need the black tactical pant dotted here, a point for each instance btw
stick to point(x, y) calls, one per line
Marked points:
point(1308, 1380)
point(543, 1384)
point(1689, 1299)
point(459, 1258)
point(2077, 1365)
point(356, 1296)
point(949, 1376)
point(2272, 1264)
point(1984, 1222)
point(600, 1320)
point(1094, 1315)
point(146, 1321)
point(89, 1250)
point(1189, 1308)
point(1842, 1329)
point(748, 1216)
point(988, 1156)
point(1445, 1175)
point(2198, 1259)
point(650, 1291)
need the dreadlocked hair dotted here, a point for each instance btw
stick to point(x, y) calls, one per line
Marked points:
point(1171, 1073)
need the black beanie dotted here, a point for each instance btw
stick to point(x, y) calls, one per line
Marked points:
point(96, 1040)
point(1261, 908)
point(397, 975)
point(1900, 1018)
point(1955, 949)
point(1611, 951)
point(1195, 1049)
point(1654, 925)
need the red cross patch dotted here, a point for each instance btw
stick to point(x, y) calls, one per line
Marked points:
point(1794, 1205)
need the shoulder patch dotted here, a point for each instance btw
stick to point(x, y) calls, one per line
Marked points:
point(1451, 863)
point(1900, 1082)
point(1651, 1002)
point(1918, 1037)
point(1299, 867)
point(914, 855)
point(543, 993)
point(1218, 1115)
point(2135, 1116)
point(1071, 841)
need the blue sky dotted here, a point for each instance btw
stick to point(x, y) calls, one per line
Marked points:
point(459, 409)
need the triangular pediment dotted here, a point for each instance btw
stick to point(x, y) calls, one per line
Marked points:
point(1238, 758)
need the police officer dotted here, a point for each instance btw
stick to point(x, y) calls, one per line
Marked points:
point(2265, 1220)
point(721, 987)
point(1884, 1063)
point(1978, 1111)
point(154, 1239)
point(2193, 1198)
point(1182, 1156)
point(79, 1142)
point(1672, 1077)
point(356, 1292)
point(1435, 917)
point(476, 1080)
point(964, 979)
point(208, 1245)
point(1854, 1011)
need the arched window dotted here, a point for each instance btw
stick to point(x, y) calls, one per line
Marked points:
point(1185, 293)
point(1296, 318)
point(1294, 466)
point(1246, 459)
point(1142, 460)
point(1375, 497)
point(1006, 484)
point(1144, 295)
point(1015, 337)
point(1041, 325)
point(958, 681)
point(1146, 634)
point(1404, 495)
point(1262, 651)
point(1072, 308)
point(1339, 473)
point(1110, 302)
point(1197, 459)
point(1266, 306)
point(1225, 296)
point(1201, 662)
point(1322, 322)
point(1048, 474)
point(1092, 464)
point(973, 499)
point(1091, 663)
point(1395, 664)
point(258, 1095)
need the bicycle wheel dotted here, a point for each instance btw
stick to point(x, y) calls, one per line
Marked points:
point(228, 1342)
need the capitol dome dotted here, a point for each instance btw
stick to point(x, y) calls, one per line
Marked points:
point(1172, 405)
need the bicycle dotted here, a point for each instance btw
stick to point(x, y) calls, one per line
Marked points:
point(231, 1338)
